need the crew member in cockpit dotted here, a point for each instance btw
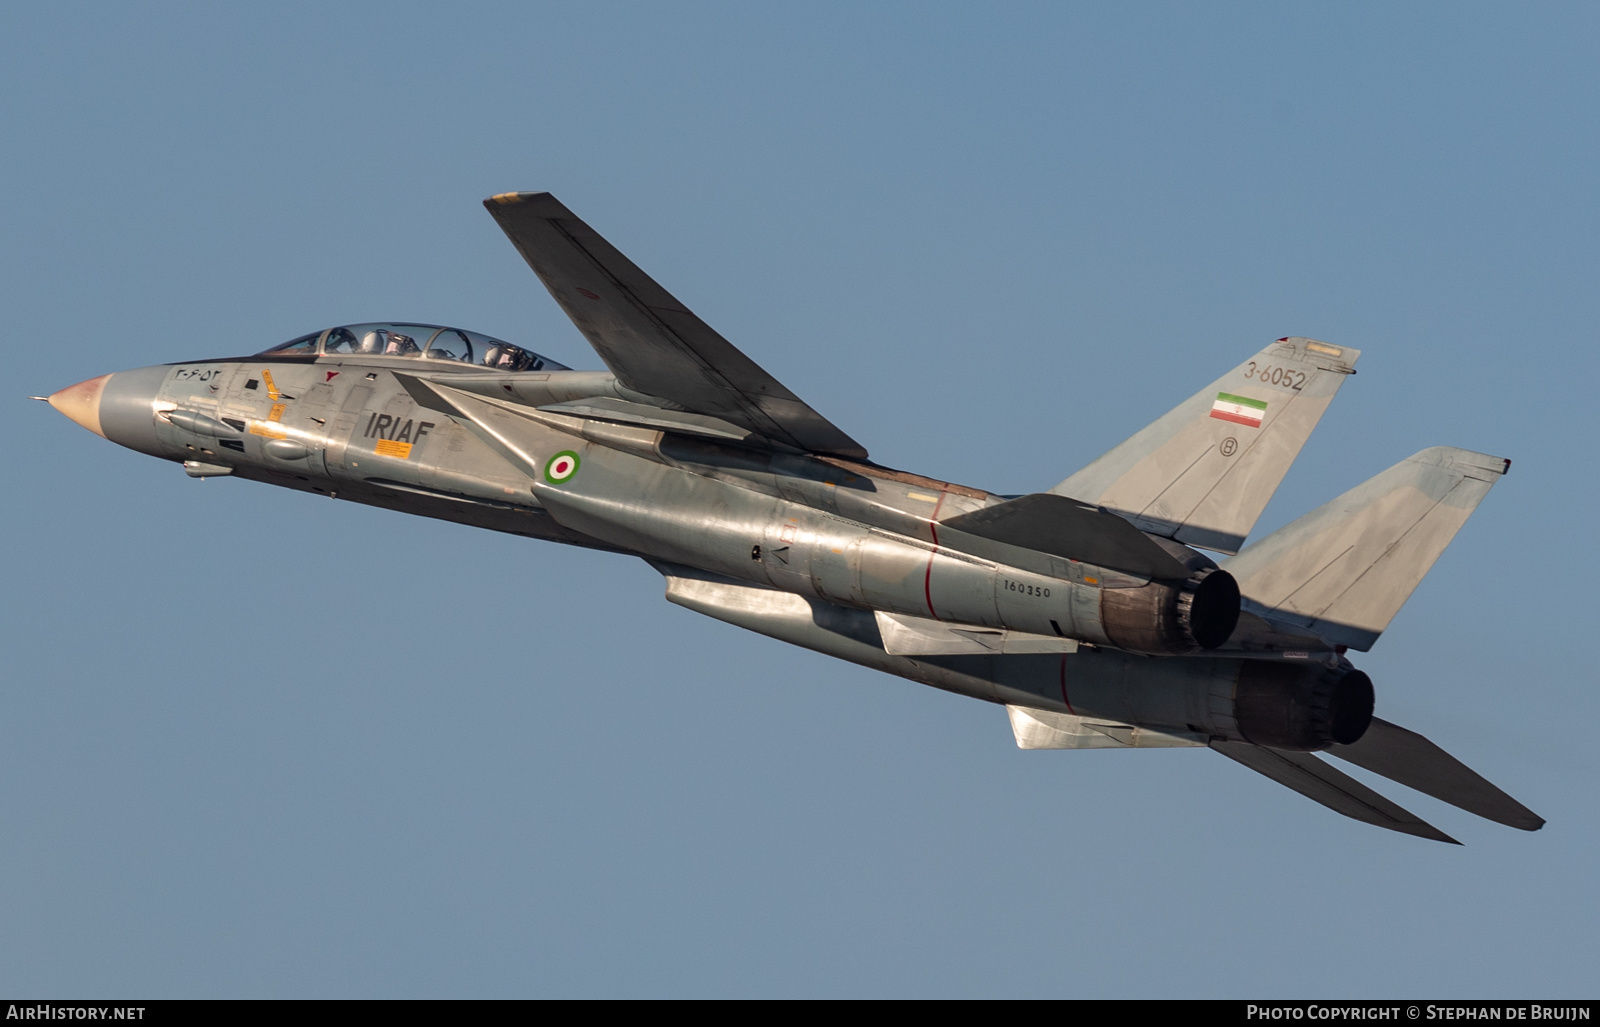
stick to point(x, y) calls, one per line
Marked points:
point(389, 342)
point(340, 340)
point(400, 346)
point(505, 357)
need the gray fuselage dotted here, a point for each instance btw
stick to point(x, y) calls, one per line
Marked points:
point(850, 539)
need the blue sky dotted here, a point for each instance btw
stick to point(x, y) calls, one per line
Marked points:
point(256, 743)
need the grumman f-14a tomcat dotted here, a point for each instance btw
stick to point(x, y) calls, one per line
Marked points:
point(1090, 611)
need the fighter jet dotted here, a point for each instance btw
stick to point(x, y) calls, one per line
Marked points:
point(1091, 611)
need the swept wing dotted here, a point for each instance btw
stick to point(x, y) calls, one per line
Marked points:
point(652, 342)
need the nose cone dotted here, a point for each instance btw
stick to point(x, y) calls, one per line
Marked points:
point(81, 402)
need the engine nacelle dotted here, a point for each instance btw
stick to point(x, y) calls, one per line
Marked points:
point(1307, 708)
point(1201, 613)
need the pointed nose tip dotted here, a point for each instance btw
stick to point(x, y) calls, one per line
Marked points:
point(81, 402)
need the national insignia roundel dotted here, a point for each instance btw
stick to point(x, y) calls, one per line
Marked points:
point(561, 467)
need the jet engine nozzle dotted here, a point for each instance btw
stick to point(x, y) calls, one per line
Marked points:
point(1299, 707)
point(1208, 607)
point(1168, 619)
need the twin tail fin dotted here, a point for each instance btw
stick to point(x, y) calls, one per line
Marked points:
point(1203, 473)
point(1344, 570)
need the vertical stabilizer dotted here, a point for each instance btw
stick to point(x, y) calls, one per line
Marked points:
point(1345, 569)
point(1203, 473)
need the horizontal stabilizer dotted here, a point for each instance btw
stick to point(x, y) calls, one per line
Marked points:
point(1334, 789)
point(1344, 570)
point(1407, 758)
point(1203, 473)
point(919, 636)
point(1072, 530)
point(647, 337)
point(1042, 729)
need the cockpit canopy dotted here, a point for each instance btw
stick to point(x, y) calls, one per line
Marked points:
point(430, 342)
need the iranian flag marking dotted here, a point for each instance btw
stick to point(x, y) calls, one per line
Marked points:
point(1238, 409)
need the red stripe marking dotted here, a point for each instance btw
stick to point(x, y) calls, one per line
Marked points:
point(927, 575)
point(1064, 698)
point(1221, 415)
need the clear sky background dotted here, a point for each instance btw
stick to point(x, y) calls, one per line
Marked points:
point(256, 743)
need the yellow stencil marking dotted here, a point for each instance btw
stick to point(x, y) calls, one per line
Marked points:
point(272, 390)
point(261, 429)
point(276, 413)
point(922, 496)
point(386, 447)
